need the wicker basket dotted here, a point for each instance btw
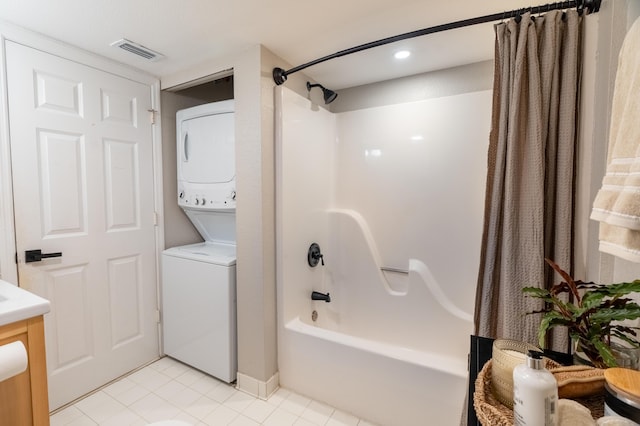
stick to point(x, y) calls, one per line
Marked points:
point(491, 412)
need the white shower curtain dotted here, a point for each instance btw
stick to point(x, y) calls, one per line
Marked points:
point(530, 181)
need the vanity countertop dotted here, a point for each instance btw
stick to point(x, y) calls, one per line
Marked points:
point(17, 304)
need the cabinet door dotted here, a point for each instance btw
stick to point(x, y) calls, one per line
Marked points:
point(15, 393)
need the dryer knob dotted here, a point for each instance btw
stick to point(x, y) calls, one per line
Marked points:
point(197, 201)
point(181, 195)
point(204, 201)
point(233, 195)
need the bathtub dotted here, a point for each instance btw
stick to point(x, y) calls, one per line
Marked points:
point(384, 384)
point(390, 347)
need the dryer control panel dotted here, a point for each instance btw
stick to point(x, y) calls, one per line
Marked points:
point(206, 197)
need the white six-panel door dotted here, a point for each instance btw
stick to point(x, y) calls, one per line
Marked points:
point(82, 164)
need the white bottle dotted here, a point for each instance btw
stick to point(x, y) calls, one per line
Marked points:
point(535, 393)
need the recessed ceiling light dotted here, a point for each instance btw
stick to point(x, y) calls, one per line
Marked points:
point(402, 54)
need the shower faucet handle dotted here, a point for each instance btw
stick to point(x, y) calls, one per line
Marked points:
point(314, 255)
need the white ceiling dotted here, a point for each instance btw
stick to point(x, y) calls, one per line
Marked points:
point(189, 32)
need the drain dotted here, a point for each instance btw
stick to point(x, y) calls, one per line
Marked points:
point(314, 316)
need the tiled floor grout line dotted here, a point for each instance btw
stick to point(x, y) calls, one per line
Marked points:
point(169, 390)
point(57, 410)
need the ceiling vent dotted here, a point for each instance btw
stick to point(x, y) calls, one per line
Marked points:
point(137, 49)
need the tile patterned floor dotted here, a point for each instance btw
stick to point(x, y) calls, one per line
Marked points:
point(168, 389)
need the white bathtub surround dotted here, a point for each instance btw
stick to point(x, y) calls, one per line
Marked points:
point(411, 311)
point(394, 197)
point(398, 356)
point(257, 388)
point(422, 270)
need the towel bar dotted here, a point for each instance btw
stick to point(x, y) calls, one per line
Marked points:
point(396, 270)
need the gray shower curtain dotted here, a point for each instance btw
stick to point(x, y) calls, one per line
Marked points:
point(530, 181)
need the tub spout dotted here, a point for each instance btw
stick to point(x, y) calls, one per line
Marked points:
point(320, 296)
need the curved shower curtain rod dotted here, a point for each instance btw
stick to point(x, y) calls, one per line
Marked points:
point(590, 6)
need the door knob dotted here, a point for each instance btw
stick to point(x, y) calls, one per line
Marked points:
point(38, 255)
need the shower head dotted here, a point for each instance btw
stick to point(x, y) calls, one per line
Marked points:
point(329, 95)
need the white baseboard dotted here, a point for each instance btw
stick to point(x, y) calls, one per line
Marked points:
point(258, 388)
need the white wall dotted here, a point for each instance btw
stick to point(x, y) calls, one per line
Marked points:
point(604, 34)
point(615, 269)
point(453, 81)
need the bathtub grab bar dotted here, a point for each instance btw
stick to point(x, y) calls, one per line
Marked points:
point(397, 270)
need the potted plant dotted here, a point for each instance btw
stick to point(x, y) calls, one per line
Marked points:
point(592, 317)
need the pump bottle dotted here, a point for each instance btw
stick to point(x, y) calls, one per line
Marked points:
point(535, 393)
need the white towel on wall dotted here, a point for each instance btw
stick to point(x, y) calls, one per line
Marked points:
point(617, 204)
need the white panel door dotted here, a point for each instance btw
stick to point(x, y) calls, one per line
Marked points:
point(81, 148)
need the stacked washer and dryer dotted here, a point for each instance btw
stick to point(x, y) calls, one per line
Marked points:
point(199, 280)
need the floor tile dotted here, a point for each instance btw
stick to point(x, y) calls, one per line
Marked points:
point(202, 407)
point(170, 390)
point(295, 403)
point(185, 398)
point(280, 417)
point(132, 395)
point(167, 389)
point(205, 384)
point(303, 422)
point(119, 387)
point(66, 416)
point(175, 370)
point(189, 377)
point(239, 401)
point(82, 421)
point(221, 416)
point(162, 364)
point(259, 410)
point(243, 421)
point(317, 413)
point(100, 406)
point(340, 418)
point(278, 396)
point(184, 417)
point(221, 392)
point(150, 378)
point(153, 408)
point(125, 417)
